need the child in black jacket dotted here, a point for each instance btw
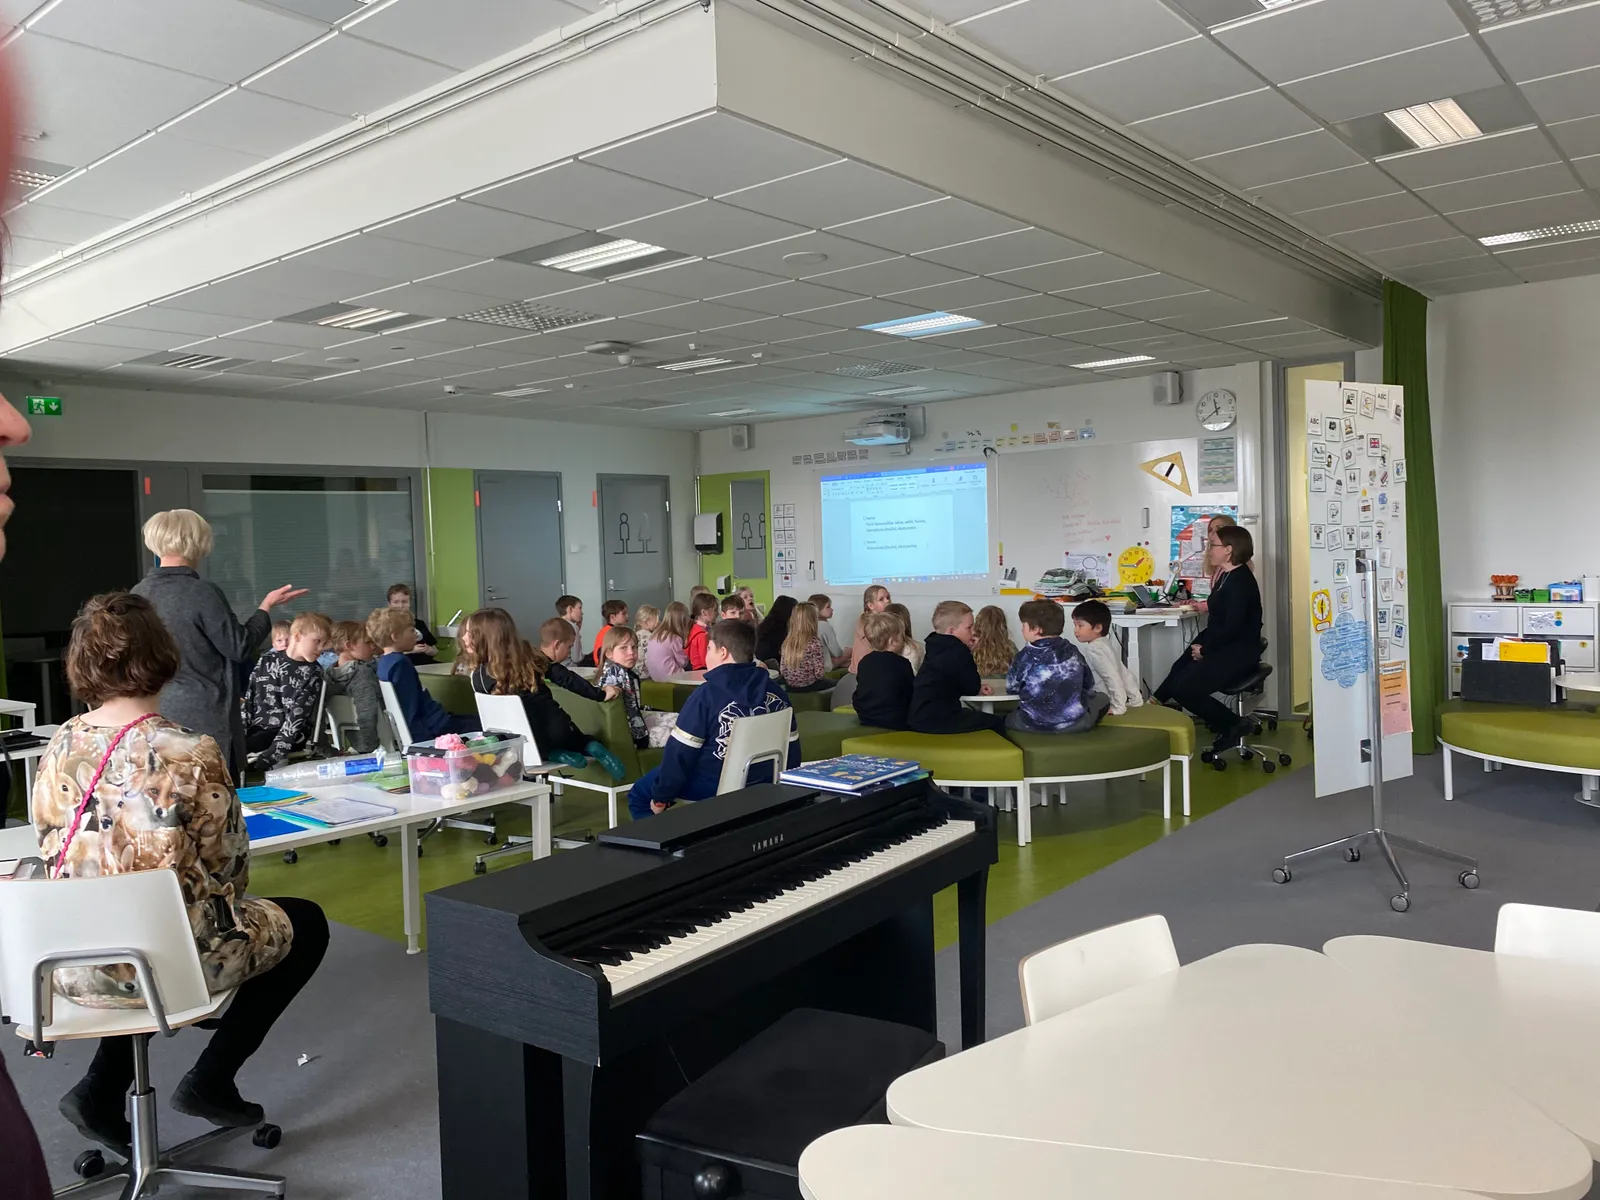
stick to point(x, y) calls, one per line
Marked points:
point(949, 673)
point(884, 678)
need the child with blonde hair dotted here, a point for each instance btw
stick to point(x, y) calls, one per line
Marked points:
point(646, 620)
point(948, 673)
point(910, 649)
point(352, 675)
point(618, 654)
point(873, 599)
point(885, 679)
point(992, 647)
point(803, 659)
point(280, 709)
point(667, 652)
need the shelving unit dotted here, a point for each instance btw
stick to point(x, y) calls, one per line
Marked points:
point(1572, 625)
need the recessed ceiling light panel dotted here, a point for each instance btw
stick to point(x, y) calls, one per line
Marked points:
point(1438, 123)
point(1492, 12)
point(525, 314)
point(1535, 235)
point(876, 370)
point(597, 255)
point(362, 318)
point(695, 365)
point(899, 391)
point(1100, 364)
point(517, 393)
point(925, 325)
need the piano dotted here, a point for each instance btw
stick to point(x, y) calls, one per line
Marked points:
point(574, 995)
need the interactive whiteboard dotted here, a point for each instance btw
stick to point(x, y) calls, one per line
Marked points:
point(922, 524)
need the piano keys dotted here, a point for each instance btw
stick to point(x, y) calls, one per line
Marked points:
point(575, 994)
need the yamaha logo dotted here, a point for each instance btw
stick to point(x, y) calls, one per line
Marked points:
point(766, 843)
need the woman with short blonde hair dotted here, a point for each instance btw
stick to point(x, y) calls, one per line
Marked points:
point(203, 695)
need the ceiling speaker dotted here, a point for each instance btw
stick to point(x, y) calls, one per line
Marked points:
point(1167, 387)
point(739, 437)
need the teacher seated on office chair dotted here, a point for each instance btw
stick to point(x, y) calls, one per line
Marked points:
point(1229, 647)
point(121, 788)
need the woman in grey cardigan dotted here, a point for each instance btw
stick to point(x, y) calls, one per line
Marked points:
point(204, 695)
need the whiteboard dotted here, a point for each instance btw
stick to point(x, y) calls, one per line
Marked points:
point(1098, 503)
point(1355, 484)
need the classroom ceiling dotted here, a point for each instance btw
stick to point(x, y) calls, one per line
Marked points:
point(1282, 100)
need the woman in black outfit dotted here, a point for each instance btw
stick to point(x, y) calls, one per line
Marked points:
point(773, 629)
point(1229, 647)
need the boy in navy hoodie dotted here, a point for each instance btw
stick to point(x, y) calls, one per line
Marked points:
point(948, 673)
point(735, 686)
point(396, 634)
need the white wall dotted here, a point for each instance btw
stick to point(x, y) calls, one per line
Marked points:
point(1517, 427)
point(131, 425)
point(1120, 410)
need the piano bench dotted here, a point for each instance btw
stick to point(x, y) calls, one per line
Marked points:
point(737, 1132)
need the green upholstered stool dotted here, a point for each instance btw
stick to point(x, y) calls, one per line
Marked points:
point(1100, 753)
point(1179, 727)
point(663, 697)
point(453, 692)
point(607, 723)
point(1552, 739)
point(981, 759)
point(812, 701)
point(822, 734)
point(680, 695)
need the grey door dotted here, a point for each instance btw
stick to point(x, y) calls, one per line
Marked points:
point(636, 538)
point(520, 545)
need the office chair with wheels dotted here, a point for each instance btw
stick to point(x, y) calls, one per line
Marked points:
point(137, 919)
point(1240, 695)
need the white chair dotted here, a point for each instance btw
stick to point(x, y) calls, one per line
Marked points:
point(342, 721)
point(137, 919)
point(1074, 972)
point(507, 714)
point(762, 738)
point(19, 841)
point(1535, 931)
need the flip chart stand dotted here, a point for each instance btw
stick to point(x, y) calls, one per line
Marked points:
point(1372, 752)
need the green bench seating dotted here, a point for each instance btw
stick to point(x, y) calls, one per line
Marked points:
point(607, 723)
point(1179, 727)
point(823, 734)
point(982, 759)
point(1557, 738)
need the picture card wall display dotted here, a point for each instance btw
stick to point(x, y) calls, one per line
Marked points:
point(1359, 426)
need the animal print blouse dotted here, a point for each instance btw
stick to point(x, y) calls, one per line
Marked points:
point(164, 801)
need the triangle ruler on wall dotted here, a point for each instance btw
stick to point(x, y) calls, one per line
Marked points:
point(1169, 469)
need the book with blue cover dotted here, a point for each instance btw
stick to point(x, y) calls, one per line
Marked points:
point(269, 797)
point(260, 826)
point(851, 772)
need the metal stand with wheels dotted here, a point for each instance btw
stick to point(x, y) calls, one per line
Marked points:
point(1367, 566)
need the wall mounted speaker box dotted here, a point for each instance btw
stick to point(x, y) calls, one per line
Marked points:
point(739, 436)
point(1167, 387)
point(708, 532)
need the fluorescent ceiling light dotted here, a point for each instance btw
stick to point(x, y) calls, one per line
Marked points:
point(606, 254)
point(732, 412)
point(1271, 4)
point(1114, 362)
point(1489, 12)
point(1534, 235)
point(360, 318)
point(694, 364)
point(925, 325)
point(899, 391)
point(1438, 123)
point(194, 362)
point(522, 391)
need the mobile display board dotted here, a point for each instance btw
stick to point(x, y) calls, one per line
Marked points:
point(1356, 488)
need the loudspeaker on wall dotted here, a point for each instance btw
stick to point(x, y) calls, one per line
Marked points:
point(739, 437)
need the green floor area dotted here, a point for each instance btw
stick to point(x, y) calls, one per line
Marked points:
point(358, 883)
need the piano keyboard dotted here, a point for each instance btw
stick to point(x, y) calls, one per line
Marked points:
point(641, 966)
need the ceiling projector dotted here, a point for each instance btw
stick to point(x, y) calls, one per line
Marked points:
point(888, 430)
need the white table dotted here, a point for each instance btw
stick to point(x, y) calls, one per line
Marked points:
point(870, 1162)
point(1269, 1056)
point(30, 756)
point(1531, 1023)
point(1577, 681)
point(1133, 625)
point(987, 703)
point(21, 709)
point(413, 812)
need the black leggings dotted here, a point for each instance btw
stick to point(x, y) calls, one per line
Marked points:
point(1192, 682)
point(257, 1004)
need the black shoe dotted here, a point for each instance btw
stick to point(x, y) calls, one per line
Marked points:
point(218, 1103)
point(99, 1117)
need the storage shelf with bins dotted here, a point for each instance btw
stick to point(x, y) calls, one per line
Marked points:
point(1574, 626)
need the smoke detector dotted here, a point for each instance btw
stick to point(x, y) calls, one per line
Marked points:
point(623, 352)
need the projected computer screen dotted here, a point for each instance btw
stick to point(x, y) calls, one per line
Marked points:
point(919, 525)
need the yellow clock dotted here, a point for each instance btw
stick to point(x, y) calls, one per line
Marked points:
point(1134, 565)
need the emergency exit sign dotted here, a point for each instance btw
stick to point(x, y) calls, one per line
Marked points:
point(44, 406)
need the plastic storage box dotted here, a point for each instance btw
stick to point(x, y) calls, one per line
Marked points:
point(488, 763)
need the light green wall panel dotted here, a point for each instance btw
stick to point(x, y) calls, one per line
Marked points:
point(716, 496)
point(452, 543)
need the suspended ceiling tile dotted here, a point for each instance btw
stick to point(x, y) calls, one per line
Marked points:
point(156, 172)
point(1440, 250)
point(1008, 252)
point(700, 316)
point(712, 154)
point(1290, 158)
point(1467, 160)
point(1024, 308)
point(426, 300)
point(292, 335)
point(1402, 233)
point(175, 320)
point(348, 75)
point(373, 254)
point(699, 279)
point(1549, 180)
point(1303, 39)
point(114, 335)
point(221, 39)
point(771, 329)
point(794, 256)
point(1050, 38)
point(1562, 39)
point(28, 252)
point(1074, 273)
point(1578, 138)
point(1238, 121)
point(1363, 214)
point(889, 276)
point(1517, 258)
point(473, 229)
point(90, 102)
point(252, 123)
point(1563, 97)
point(1463, 268)
point(1330, 187)
point(791, 296)
point(507, 281)
point(943, 222)
point(583, 196)
point(315, 284)
point(1129, 291)
point(1527, 214)
point(52, 223)
point(857, 313)
point(832, 195)
point(1162, 81)
point(706, 228)
point(843, 339)
point(466, 32)
point(1567, 270)
point(1397, 81)
point(606, 299)
point(962, 295)
point(1589, 169)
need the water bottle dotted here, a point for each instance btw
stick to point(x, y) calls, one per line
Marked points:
point(324, 771)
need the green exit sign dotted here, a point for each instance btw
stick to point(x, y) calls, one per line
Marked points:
point(44, 406)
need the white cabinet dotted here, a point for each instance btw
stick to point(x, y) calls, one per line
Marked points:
point(1574, 626)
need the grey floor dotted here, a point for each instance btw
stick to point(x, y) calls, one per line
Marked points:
point(360, 1121)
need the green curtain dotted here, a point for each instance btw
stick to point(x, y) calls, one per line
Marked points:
point(1405, 361)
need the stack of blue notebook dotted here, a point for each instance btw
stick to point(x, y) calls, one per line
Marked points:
point(855, 774)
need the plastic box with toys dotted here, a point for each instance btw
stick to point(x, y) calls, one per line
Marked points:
point(454, 767)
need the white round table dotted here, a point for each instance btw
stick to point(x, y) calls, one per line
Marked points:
point(987, 703)
point(1583, 681)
